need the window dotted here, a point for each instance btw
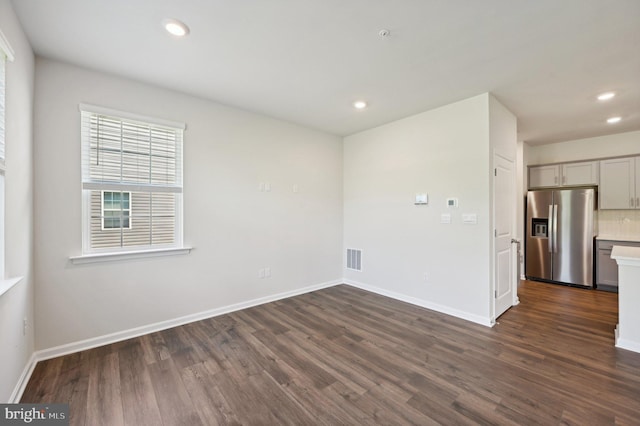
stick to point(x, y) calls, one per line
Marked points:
point(131, 181)
point(116, 210)
point(2, 90)
point(6, 54)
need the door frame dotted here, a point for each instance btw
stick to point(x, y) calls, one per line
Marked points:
point(514, 278)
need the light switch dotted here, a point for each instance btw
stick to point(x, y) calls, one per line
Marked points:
point(445, 218)
point(470, 218)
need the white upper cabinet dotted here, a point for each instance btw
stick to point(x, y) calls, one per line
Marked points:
point(585, 173)
point(569, 174)
point(619, 183)
point(541, 176)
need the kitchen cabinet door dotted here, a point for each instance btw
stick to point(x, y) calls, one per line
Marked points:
point(543, 176)
point(584, 173)
point(607, 269)
point(617, 183)
point(637, 182)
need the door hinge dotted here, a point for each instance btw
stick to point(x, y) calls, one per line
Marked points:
point(495, 233)
point(495, 294)
point(495, 172)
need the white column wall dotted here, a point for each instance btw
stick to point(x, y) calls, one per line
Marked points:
point(407, 252)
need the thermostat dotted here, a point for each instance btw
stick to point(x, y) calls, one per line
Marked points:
point(452, 202)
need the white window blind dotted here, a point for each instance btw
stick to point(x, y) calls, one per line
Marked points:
point(6, 54)
point(2, 107)
point(134, 158)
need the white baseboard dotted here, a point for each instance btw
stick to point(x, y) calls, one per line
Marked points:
point(23, 380)
point(423, 303)
point(163, 325)
point(629, 345)
point(94, 342)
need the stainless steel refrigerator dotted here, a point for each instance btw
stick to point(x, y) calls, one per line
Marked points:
point(559, 235)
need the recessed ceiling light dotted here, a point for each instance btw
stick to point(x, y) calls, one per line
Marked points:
point(613, 120)
point(606, 96)
point(175, 27)
point(359, 104)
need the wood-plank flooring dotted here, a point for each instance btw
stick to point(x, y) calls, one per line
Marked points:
point(343, 356)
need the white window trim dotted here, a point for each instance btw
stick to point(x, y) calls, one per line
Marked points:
point(6, 47)
point(131, 252)
point(129, 116)
point(8, 284)
point(128, 255)
point(111, 210)
point(6, 55)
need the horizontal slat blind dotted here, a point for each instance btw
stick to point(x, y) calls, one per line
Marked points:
point(130, 155)
point(117, 151)
point(2, 107)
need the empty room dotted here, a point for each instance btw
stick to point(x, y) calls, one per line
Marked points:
point(319, 212)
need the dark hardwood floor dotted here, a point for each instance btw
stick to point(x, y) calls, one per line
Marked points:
point(346, 356)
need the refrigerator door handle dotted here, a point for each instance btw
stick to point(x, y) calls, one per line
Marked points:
point(550, 228)
point(555, 228)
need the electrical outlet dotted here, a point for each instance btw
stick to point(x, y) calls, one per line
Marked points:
point(425, 277)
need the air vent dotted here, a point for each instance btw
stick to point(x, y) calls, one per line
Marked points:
point(354, 259)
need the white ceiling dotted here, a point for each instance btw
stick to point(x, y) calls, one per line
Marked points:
point(306, 61)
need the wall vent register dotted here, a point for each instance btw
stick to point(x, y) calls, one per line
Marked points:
point(354, 259)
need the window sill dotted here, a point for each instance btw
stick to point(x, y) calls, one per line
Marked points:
point(138, 254)
point(8, 284)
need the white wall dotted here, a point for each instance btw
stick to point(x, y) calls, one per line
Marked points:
point(17, 304)
point(235, 229)
point(502, 130)
point(585, 149)
point(444, 152)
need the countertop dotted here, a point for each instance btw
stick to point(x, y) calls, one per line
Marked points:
point(626, 255)
point(631, 239)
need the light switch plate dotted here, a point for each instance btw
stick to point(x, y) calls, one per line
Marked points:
point(422, 199)
point(445, 218)
point(470, 218)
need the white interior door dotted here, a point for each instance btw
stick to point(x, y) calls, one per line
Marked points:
point(505, 204)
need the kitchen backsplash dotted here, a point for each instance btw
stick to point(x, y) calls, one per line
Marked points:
point(622, 224)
